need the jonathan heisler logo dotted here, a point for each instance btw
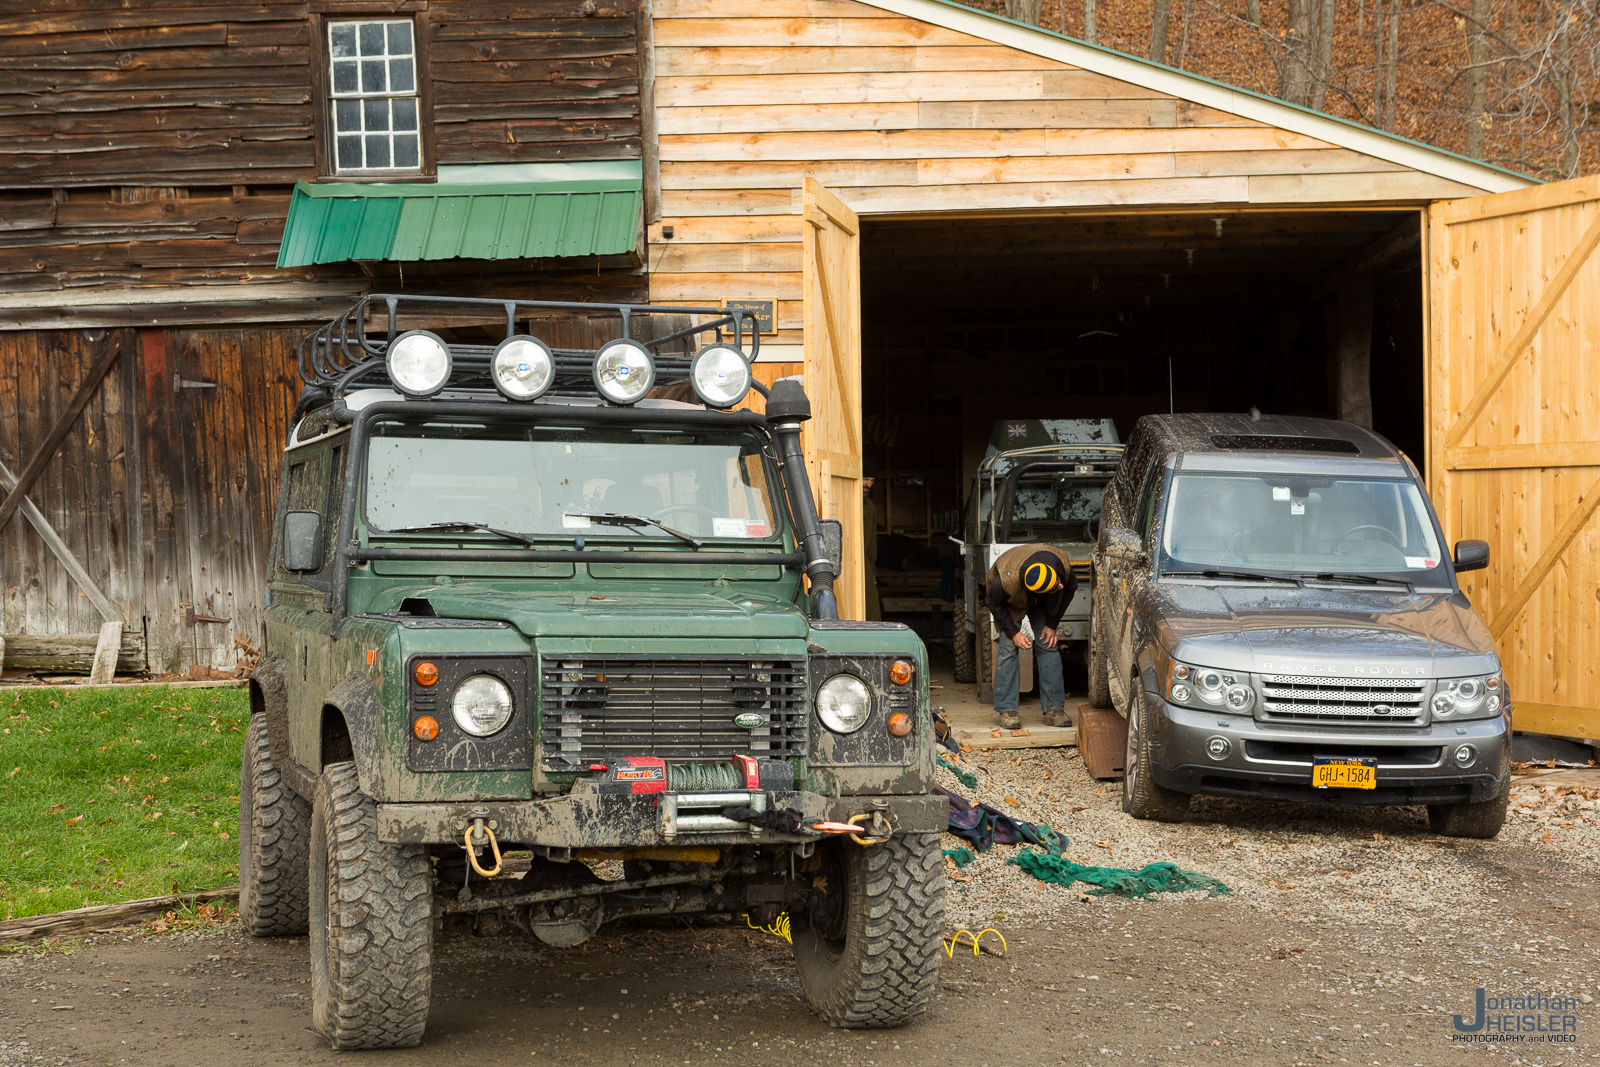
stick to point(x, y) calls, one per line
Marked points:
point(1542, 1017)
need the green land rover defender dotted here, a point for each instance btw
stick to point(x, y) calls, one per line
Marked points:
point(525, 617)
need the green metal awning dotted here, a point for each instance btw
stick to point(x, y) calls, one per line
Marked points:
point(526, 211)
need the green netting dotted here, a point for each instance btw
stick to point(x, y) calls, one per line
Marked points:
point(959, 856)
point(966, 778)
point(703, 777)
point(1047, 864)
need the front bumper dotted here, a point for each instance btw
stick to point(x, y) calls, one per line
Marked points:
point(1416, 765)
point(611, 820)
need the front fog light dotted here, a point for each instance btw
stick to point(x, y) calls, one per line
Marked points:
point(720, 375)
point(624, 371)
point(523, 368)
point(1218, 747)
point(481, 705)
point(843, 703)
point(419, 363)
point(1465, 754)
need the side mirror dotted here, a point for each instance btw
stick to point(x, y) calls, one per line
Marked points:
point(1471, 555)
point(833, 542)
point(1125, 545)
point(302, 541)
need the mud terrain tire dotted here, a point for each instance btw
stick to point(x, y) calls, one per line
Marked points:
point(868, 950)
point(1099, 671)
point(1482, 820)
point(274, 832)
point(371, 923)
point(966, 670)
point(1142, 797)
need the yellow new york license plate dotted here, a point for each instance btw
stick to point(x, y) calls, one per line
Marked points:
point(1344, 773)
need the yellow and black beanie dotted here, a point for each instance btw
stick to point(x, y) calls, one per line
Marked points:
point(1039, 574)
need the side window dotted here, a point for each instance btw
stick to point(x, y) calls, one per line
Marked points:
point(330, 513)
point(304, 492)
point(1148, 492)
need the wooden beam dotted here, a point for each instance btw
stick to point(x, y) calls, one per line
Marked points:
point(104, 668)
point(63, 554)
point(58, 432)
point(102, 917)
point(1526, 457)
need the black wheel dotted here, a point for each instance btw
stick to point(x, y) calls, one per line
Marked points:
point(1481, 820)
point(966, 670)
point(274, 831)
point(985, 665)
point(371, 923)
point(1099, 670)
point(1141, 796)
point(866, 944)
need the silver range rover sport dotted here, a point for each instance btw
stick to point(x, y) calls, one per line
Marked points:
point(1275, 616)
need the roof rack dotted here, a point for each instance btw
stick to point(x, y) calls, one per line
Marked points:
point(343, 355)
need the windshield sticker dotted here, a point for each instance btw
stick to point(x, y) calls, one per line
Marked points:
point(575, 522)
point(755, 529)
point(1420, 562)
point(732, 528)
point(1297, 507)
point(464, 481)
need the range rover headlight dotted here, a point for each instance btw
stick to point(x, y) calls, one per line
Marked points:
point(481, 705)
point(844, 703)
point(1467, 698)
point(1208, 687)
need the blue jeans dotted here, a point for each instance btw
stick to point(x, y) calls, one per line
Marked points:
point(1046, 661)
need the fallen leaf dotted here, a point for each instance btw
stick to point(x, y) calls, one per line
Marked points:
point(1377, 837)
point(75, 820)
point(1021, 733)
point(1009, 800)
point(992, 733)
point(1040, 789)
point(1085, 898)
point(1106, 844)
point(57, 808)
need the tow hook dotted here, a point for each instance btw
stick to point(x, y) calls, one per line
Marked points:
point(477, 835)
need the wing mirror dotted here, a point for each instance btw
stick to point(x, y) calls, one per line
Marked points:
point(1125, 545)
point(1471, 555)
point(302, 541)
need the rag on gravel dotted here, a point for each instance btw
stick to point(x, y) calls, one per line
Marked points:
point(985, 827)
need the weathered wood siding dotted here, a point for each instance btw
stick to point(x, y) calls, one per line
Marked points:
point(902, 117)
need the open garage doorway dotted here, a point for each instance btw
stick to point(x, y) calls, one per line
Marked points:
point(973, 323)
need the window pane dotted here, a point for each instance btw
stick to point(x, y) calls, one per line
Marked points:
point(400, 79)
point(377, 151)
point(342, 39)
point(344, 77)
point(347, 116)
point(405, 113)
point(377, 114)
point(400, 38)
point(349, 153)
point(373, 78)
point(406, 153)
point(372, 38)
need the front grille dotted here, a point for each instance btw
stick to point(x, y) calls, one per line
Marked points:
point(675, 707)
point(1367, 700)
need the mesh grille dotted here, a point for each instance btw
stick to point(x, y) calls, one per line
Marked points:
point(596, 707)
point(1350, 699)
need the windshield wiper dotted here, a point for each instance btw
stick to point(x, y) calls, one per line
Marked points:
point(1249, 576)
point(613, 519)
point(1361, 579)
point(439, 527)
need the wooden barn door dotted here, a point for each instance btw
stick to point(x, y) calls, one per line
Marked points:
point(832, 319)
point(1514, 433)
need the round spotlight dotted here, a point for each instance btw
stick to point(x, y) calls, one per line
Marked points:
point(523, 368)
point(624, 371)
point(419, 363)
point(720, 375)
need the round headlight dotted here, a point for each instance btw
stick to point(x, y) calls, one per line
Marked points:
point(720, 375)
point(523, 368)
point(1444, 705)
point(481, 705)
point(1239, 697)
point(624, 371)
point(1180, 693)
point(1209, 682)
point(843, 703)
point(419, 363)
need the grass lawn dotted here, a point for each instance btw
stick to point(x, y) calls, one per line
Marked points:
point(114, 794)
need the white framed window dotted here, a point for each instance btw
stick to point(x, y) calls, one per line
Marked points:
point(373, 85)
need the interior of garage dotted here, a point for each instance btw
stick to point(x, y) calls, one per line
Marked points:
point(966, 321)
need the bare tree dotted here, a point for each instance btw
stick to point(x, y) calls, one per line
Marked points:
point(1160, 15)
point(1029, 11)
point(1477, 79)
point(1090, 30)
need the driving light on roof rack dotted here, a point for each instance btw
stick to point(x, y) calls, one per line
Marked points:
point(419, 363)
point(720, 375)
point(523, 368)
point(624, 371)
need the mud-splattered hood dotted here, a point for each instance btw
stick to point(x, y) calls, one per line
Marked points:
point(624, 612)
point(1278, 630)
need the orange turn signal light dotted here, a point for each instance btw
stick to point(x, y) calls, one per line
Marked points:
point(425, 673)
point(426, 728)
point(900, 724)
point(900, 672)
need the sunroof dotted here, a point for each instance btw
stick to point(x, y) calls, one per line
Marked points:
point(1266, 442)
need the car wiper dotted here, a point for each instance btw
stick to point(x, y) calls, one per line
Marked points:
point(613, 519)
point(439, 527)
point(1247, 576)
point(1361, 579)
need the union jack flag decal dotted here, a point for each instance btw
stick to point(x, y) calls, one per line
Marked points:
point(1017, 429)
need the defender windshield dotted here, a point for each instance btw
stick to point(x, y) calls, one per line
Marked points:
point(542, 480)
point(1301, 526)
point(1053, 505)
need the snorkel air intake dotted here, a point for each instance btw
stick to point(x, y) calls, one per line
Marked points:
point(787, 410)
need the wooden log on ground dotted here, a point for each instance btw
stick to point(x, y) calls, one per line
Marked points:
point(106, 652)
point(104, 917)
point(69, 653)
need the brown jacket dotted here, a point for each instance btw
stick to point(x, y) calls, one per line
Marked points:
point(1008, 599)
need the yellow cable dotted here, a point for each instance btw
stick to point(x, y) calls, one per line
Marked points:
point(466, 842)
point(779, 927)
point(950, 943)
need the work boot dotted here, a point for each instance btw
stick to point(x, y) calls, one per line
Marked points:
point(1009, 720)
point(1057, 717)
